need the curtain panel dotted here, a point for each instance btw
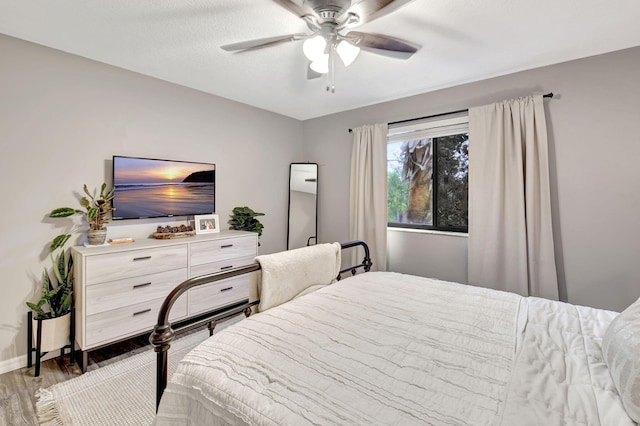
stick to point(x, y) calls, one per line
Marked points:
point(510, 232)
point(368, 199)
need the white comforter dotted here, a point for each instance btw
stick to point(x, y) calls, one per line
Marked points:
point(387, 348)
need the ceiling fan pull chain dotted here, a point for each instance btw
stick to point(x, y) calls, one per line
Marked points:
point(331, 88)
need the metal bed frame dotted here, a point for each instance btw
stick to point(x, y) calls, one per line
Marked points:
point(163, 333)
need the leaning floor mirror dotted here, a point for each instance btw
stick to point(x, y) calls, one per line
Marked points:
point(303, 205)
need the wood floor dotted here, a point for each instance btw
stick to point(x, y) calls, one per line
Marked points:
point(18, 387)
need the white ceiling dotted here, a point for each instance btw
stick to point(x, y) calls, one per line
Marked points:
point(461, 41)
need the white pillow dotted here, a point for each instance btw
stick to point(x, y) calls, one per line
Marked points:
point(621, 351)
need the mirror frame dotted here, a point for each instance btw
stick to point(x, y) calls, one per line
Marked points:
point(315, 236)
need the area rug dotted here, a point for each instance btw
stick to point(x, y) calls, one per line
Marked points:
point(119, 394)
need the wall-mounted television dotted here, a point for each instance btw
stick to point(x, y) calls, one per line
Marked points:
point(149, 187)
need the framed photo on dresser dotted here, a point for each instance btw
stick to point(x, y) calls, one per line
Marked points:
point(207, 224)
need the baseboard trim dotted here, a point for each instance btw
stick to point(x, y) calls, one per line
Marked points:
point(13, 364)
point(21, 361)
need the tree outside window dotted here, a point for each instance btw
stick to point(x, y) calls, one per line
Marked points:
point(428, 182)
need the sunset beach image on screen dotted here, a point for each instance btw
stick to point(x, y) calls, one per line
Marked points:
point(146, 187)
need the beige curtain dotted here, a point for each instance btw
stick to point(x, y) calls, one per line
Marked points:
point(510, 233)
point(368, 202)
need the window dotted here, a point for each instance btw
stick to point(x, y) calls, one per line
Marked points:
point(427, 174)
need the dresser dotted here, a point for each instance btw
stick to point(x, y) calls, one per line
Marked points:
point(118, 289)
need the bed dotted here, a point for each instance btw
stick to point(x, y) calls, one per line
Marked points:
point(389, 348)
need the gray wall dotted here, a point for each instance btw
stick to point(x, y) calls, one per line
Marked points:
point(62, 118)
point(594, 154)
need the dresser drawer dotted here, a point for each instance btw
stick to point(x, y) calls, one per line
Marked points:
point(129, 320)
point(129, 291)
point(222, 249)
point(133, 263)
point(224, 265)
point(216, 295)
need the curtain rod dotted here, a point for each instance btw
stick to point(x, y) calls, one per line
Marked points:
point(548, 95)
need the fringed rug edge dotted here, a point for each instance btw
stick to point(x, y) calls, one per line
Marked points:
point(47, 409)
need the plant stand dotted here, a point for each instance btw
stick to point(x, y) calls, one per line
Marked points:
point(37, 349)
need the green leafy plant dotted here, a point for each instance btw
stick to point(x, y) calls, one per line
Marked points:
point(56, 292)
point(96, 207)
point(244, 219)
point(55, 296)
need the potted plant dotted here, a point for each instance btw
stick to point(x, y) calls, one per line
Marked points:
point(243, 219)
point(97, 208)
point(53, 311)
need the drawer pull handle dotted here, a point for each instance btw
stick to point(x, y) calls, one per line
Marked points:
point(141, 285)
point(142, 312)
point(226, 289)
point(226, 267)
point(141, 258)
point(226, 246)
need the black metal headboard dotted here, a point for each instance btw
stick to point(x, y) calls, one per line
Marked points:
point(163, 333)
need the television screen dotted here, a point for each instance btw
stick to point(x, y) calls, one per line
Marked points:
point(146, 187)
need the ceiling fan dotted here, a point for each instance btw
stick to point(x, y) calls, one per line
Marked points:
point(329, 21)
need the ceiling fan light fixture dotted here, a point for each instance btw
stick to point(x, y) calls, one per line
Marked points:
point(314, 47)
point(347, 52)
point(321, 65)
point(330, 22)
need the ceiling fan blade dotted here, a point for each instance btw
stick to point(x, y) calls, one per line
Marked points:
point(368, 10)
point(382, 45)
point(295, 8)
point(261, 42)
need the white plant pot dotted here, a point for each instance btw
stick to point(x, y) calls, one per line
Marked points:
point(55, 332)
point(96, 237)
